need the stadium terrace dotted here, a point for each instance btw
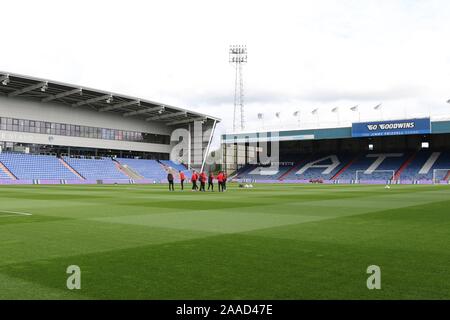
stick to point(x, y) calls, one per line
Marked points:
point(407, 151)
point(58, 133)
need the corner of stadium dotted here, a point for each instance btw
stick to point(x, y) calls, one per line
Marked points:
point(58, 133)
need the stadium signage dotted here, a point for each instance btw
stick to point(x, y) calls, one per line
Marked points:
point(253, 138)
point(391, 128)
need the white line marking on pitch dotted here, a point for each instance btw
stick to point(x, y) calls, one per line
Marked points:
point(15, 213)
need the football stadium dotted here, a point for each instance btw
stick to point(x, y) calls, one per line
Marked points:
point(307, 214)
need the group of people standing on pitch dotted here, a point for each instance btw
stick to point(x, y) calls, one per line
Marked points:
point(201, 178)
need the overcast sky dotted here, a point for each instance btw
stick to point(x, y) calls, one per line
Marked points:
point(302, 54)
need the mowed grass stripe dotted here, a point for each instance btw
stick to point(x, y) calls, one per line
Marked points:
point(273, 241)
point(195, 269)
point(47, 240)
point(414, 228)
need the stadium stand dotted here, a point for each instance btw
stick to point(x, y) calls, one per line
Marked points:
point(345, 167)
point(442, 164)
point(409, 167)
point(30, 166)
point(316, 167)
point(96, 169)
point(320, 167)
point(149, 169)
point(397, 151)
point(424, 164)
point(173, 165)
point(176, 166)
point(290, 174)
point(405, 165)
point(243, 172)
point(4, 174)
point(375, 166)
point(412, 166)
point(254, 172)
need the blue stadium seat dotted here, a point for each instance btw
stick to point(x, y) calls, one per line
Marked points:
point(4, 175)
point(319, 173)
point(348, 166)
point(96, 169)
point(177, 167)
point(254, 172)
point(382, 172)
point(149, 169)
point(31, 166)
point(439, 160)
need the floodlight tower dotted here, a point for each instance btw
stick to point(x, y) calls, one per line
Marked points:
point(237, 57)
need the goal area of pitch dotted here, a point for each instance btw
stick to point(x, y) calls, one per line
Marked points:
point(388, 175)
point(441, 175)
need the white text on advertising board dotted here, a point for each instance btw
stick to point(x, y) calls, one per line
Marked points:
point(391, 126)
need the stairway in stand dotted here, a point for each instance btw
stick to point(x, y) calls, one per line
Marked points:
point(344, 168)
point(128, 171)
point(75, 172)
point(404, 165)
point(6, 170)
point(294, 168)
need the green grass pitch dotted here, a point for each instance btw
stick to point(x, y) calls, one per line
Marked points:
point(270, 242)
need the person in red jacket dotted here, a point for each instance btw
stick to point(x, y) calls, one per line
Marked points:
point(182, 178)
point(211, 181)
point(203, 179)
point(224, 182)
point(194, 181)
point(220, 181)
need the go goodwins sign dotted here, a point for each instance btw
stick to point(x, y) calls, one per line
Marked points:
point(391, 128)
